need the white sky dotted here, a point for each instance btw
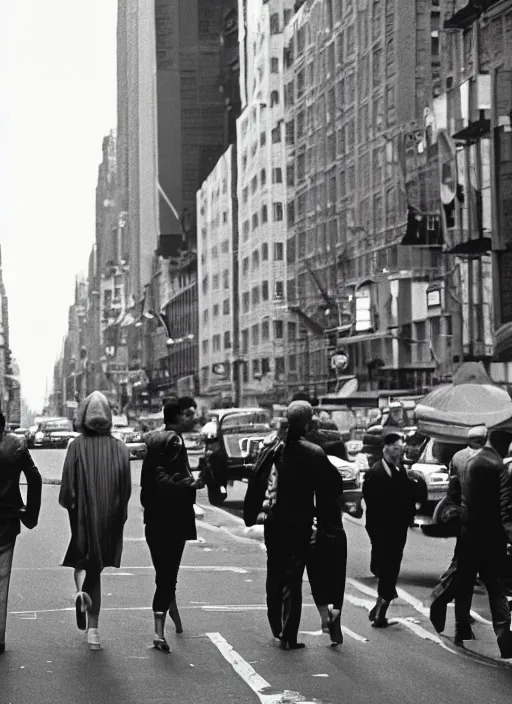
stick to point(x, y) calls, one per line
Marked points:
point(57, 101)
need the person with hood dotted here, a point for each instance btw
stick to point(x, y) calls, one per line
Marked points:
point(14, 459)
point(390, 498)
point(168, 496)
point(301, 475)
point(95, 489)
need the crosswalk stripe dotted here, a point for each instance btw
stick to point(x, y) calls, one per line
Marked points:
point(245, 671)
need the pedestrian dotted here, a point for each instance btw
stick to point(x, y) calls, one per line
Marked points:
point(483, 488)
point(14, 459)
point(300, 474)
point(168, 496)
point(95, 489)
point(477, 437)
point(389, 495)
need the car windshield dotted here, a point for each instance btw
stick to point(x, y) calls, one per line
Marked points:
point(439, 452)
point(237, 427)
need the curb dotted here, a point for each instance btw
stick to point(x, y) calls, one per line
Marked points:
point(473, 655)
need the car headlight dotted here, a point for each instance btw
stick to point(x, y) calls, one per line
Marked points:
point(438, 478)
point(39, 435)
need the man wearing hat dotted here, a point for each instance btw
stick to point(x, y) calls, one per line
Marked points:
point(389, 495)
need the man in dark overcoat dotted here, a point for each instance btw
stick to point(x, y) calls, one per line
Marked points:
point(389, 495)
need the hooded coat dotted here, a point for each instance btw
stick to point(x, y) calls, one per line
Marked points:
point(95, 489)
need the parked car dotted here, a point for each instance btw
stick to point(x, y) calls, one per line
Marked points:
point(433, 463)
point(24, 432)
point(54, 433)
point(229, 437)
point(352, 485)
point(133, 440)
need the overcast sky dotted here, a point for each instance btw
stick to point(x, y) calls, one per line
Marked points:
point(57, 101)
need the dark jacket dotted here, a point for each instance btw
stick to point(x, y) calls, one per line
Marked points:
point(308, 485)
point(15, 459)
point(483, 488)
point(166, 500)
point(390, 501)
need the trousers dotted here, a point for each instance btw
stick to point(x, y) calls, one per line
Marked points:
point(386, 558)
point(166, 553)
point(327, 568)
point(6, 555)
point(287, 551)
point(473, 558)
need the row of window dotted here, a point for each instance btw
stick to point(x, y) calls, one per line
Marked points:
point(277, 211)
point(219, 342)
point(261, 293)
point(215, 286)
point(278, 256)
point(277, 177)
point(226, 309)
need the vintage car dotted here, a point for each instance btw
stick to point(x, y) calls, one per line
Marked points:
point(133, 440)
point(433, 463)
point(56, 432)
point(230, 437)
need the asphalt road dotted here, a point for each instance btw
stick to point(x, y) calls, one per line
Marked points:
point(225, 654)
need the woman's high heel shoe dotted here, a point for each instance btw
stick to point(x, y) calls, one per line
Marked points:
point(82, 603)
point(175, 616)
point(93, 639)
point(335, 626)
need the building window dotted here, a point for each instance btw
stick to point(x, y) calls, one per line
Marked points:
point(276, 134)
point(245, 195)
point(278, 329)
point(301, 83)
point(245, 302)
point(205, 316)
point(245, 265)
point(254, 184)
point(255, 295)
point(255, 221)
point(265, 366)
point(278, 251)
point(224, 248)
point(291, 212)
point(263, 177)
point(205, 346)
point(274, 23)
point(274, 65)
point(265, 330)
point(279, 289)
point(264, 214)
point(225, 306)
point(264, 291)
point(215, 282)
point(263, 138)
point(256, 369)
point(292, 362)
point(227, 340)
point(255, 259)
point(205, 284)
point(225, 279)
point(216, 310)
point(216, 343)
point(363, 309)
point(292, 331)
point(264, 251)
point(274, 98)
point(290, 175)
point(290, 132)
point(245, 230)
point(277, 175)
point(278, 212)
point(245, 341)
point(255, 334)
point(215, 252)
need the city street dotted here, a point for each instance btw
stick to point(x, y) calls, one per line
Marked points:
point(226, 653)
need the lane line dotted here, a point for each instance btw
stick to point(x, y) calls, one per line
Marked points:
point(194, 568)
point(190, 607)
point(424, 634)
point(247, 673)
point(475, 615)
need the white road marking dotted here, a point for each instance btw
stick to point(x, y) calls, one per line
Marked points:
point(362, 587)
point(248, 673)
point(476, 616)
point(235, 608)
point(412, 601)
point(345, 630)
point(423, 633)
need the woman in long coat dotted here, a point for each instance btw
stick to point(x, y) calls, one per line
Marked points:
point(95, 489)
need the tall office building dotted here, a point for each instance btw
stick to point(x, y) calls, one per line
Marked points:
point(358, 78)
point(262, 199)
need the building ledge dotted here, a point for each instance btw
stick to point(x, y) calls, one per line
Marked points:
point(473, 132)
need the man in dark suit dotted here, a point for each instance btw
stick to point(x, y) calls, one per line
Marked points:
point(389, 495)
point(14, 459)
point(483, 488)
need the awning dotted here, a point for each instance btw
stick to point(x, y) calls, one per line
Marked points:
point(449, 410)
point(352, 339)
